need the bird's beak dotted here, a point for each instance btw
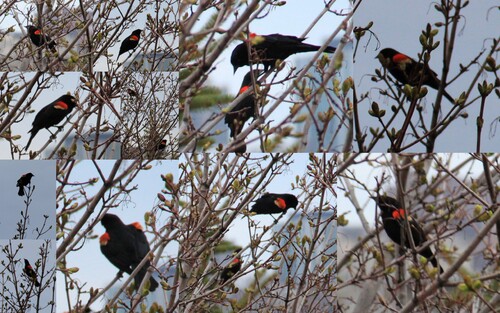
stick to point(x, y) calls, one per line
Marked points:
point(235, 69)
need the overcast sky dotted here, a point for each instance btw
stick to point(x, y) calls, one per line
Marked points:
point(94, 268)
point(30, 250)
point(291, 19)
point(401, 32)
point(42, 200)
point(369, 174)
point(67, 82)
point(238, 232)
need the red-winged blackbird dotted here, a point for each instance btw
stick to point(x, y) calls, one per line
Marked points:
point(267, 49)
point(271, 203)
point(39, 39)
point(232, 268)
point(393, 215)
point(243, 111)
point(22, 182)
point(408, 71)
point(125, 246)
point(52, 114)
point(30, 272)
point(162, 145)
point(130, 42)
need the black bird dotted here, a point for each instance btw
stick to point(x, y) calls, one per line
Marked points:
point(271, 203)
point(39, 39)
point(162, 145)
point(125, 246)
point(393, 216)
point(408, 71)
point(244, 110)
point(30, 272)
point(52, 114)
point(267, 49)
point(232, 268)
point(130, 42)
point(22, 182)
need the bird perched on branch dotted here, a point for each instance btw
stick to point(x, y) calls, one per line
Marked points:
point(130, 43)
point(52, 114)
point(22, 182)
point(393, 219)
point(232, 268)
point(271, 203)
point(39, 39)
point(30, 272)
point(244, 110)
point(267, 49)
point(408, 71)
point(125, 246)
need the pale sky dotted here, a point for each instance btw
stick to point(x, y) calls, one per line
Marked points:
point(401, 32)
point(42, 201)
point(94, 268)
point(30, 250)
point(291, 19)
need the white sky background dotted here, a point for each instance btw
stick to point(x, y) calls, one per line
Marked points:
point(369, 174)
point(43, 198)
point(140, 23)
point(115, 17)
point(94, 268)
point(30, 250)
point(238, 232)
point(67, 82)
point(164, 94)
point(290, 19)
point(400, 28)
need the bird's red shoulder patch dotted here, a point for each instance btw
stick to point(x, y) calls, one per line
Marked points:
point(134, 38)
point(401, 58)
point(236, 261)
point(61, 105)
point(37, 32)
point(243, 89)
point(398, 214)
point(103, 240)
point(137, 226)
point(280, 203)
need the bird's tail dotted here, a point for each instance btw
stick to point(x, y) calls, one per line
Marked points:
point(431, 257)
point(435, 264)
point(33, 133)
point(304, 47)
point(52, 46)
point(241, 147)
point(153, 284)
point(330, 49)
point(21, 191)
